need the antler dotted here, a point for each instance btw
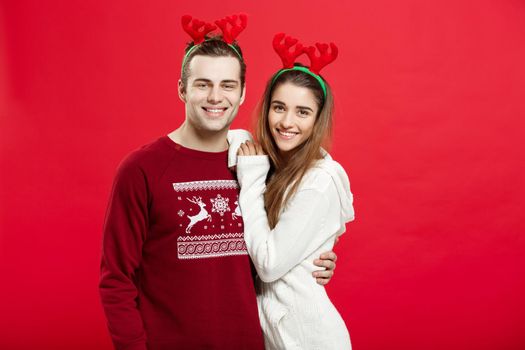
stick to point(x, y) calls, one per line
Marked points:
point(195, 199)
point(196, 29)
point(319, 62)
point(230, 34)
point(283, 49)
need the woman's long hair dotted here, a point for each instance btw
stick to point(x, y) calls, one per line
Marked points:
point(286, 174)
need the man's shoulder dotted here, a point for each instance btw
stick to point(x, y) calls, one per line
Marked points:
point(147, 155)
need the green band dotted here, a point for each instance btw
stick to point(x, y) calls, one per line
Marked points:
point(193, 49)
point(305, 70)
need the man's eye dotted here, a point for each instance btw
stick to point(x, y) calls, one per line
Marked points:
point(201, 85)
point(229, 87)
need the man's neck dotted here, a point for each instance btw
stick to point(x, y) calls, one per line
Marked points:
point(205, 141)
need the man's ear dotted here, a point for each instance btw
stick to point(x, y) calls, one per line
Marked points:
point(180, 90)
point(243, 95)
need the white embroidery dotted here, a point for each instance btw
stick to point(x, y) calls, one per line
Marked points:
point(220, 205)
point(205, 185)
point(211, 246)
point(237, 211)
point(203, 213)
point(180, 212)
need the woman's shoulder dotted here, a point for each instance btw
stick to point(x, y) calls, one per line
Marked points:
point(329, 178)
point(318, 177)
point(324, 173)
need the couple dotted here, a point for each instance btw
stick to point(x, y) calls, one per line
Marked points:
point(175, 271)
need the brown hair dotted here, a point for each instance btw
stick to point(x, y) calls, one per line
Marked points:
point(286, 175)
point(214, 47)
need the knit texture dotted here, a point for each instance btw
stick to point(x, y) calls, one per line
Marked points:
point(175, 272)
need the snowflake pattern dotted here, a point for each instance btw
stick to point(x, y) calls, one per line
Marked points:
point(220, 205)
point(180, 213)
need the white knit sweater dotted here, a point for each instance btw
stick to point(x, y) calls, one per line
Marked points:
point(295, 311)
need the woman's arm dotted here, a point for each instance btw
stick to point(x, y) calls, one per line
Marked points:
point(303, 227)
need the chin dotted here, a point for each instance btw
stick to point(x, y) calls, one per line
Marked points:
point(216, 125)
point(286, 148)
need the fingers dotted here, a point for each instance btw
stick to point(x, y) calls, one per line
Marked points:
point(327, 264)
point(328, 256)
point(323, 277)
point(323, 274)
point(240, 151)
point(322, 281)
point(259, 149)
point(250, 148)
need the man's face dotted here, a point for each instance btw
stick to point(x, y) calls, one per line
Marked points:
point(213, 92)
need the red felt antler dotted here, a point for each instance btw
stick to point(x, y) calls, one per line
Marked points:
point(229, 34)
point(319, 62)
point(196, 29)
point(283, 49)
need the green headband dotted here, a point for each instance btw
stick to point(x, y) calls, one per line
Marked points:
point(195, 46)
point(305, 70)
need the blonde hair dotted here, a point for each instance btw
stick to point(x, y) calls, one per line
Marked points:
point(286, 174)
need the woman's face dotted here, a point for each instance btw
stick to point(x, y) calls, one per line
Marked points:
point(293, 110)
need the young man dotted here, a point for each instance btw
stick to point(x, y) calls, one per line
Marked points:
point(175, 273)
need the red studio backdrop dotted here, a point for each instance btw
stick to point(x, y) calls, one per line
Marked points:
point(429, 125)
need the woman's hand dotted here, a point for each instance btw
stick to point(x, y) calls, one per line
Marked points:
point(250, 148)
point(326, 260)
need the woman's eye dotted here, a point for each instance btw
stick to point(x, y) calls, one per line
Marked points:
point(278, 108)
point(304, 113)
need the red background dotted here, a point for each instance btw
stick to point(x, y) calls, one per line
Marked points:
point(429, 125)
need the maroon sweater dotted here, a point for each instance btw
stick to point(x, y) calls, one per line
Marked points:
point(175, 273)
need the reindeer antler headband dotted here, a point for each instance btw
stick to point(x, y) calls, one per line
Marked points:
point(231, 27)
point(283, 45)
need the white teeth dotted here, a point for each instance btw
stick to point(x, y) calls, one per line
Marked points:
point(287, 134)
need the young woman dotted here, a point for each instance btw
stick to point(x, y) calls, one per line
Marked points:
point(295, 201)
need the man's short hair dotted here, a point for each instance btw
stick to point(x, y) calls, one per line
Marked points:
point(214, 47)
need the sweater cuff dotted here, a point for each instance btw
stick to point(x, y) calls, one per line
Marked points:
point(252, 168)
point(261, 161)
point(235, 139)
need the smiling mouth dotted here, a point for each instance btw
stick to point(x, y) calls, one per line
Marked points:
point(214, 112)
point(287, 135)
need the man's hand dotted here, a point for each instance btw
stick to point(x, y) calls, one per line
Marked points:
point(250, 148)
point(326, 260)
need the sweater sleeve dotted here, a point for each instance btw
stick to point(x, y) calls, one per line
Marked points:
point(301, 227)
point(124, 233)
point(235, 139)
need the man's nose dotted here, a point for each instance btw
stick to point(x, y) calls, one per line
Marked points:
point(215, 95)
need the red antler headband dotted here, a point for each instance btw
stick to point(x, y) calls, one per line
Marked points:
point(196, 29)
point(231, 27)
point(288, 56)
point(229, 34)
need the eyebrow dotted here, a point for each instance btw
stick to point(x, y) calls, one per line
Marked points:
point(299, 107)
point(228, 81)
